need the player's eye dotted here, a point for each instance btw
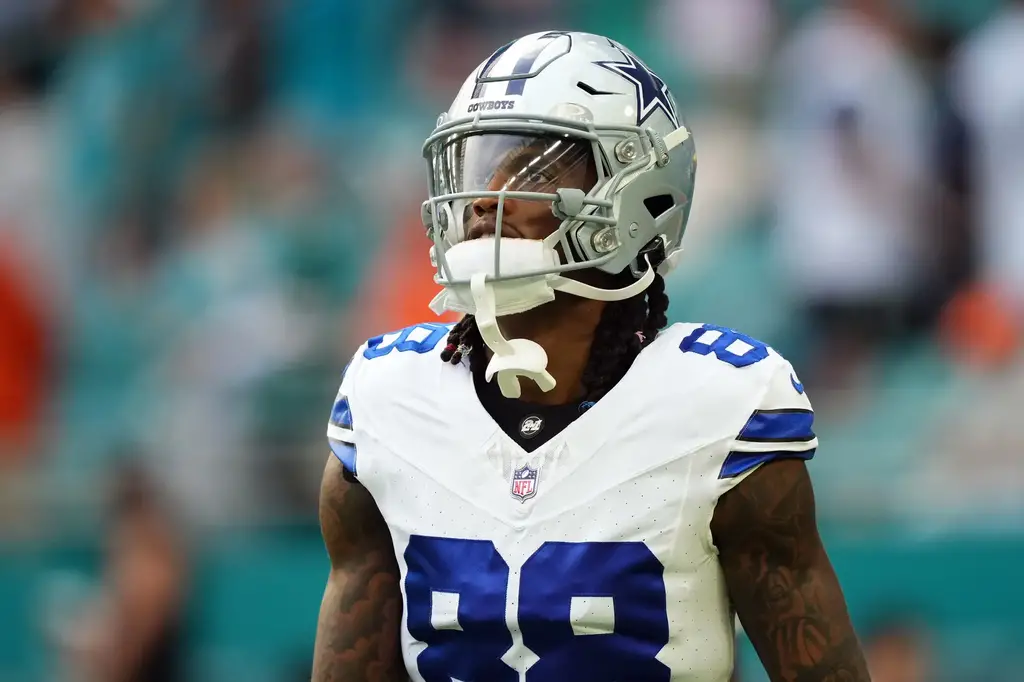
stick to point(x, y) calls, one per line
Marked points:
point(538, 177)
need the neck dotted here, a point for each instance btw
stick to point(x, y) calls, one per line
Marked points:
point(565, 329)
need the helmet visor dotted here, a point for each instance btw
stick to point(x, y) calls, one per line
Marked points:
point(510, 162)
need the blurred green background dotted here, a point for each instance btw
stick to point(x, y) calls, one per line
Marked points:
point(206, 205)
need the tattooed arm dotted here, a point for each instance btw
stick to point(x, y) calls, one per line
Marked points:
point(358, 634)
point(780, 580)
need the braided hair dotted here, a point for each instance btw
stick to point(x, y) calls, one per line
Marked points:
point(626, 327)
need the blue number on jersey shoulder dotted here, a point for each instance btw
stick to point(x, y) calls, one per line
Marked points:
point(473, 575)
point(746, 353)
point(421, 338)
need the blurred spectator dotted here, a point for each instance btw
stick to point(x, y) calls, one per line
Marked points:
point(235, 54)
point(953, 226)
point(226, 322)
point(850, 147)
point(108, 339)
point(989, 94)
point(725, 42)
point(898, 650)
point(31, 261)
point(980, 328)
point(128, 101)
point(26, 356)
point(134, 631)
point(333, 62)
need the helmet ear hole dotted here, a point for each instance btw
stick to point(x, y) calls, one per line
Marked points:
point(652, 255)
point(659, 204)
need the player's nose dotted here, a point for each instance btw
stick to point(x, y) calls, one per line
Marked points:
point(489, 205)
point(484, 205)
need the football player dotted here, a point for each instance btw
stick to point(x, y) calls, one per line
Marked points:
point(557, 487)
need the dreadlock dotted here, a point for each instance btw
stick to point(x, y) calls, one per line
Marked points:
point(626, 327)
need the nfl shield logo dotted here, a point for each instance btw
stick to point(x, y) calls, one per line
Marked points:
point(524, 483)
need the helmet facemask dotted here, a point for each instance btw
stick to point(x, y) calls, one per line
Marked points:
point(474, 175)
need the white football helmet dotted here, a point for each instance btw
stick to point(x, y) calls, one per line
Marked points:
point(539, 108)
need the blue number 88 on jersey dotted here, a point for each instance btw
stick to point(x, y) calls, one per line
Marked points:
point(474, 575)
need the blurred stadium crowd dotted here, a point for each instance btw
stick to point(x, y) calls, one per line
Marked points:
point(205, 205)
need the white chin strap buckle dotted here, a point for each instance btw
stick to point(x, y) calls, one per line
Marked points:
point(512, 358)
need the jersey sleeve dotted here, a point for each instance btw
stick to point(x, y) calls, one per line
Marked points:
point(341, 435)
point(781, 427)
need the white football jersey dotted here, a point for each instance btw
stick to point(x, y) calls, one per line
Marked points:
point(590, 558)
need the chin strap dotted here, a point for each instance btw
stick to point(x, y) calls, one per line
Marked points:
point(511, 358)
point(514, 358)
point(571, 286)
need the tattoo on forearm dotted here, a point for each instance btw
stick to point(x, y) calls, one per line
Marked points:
point(360, 616)
point(781, 582)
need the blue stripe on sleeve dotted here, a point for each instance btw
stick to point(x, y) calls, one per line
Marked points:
point(341, 414)
point(346, 452)
point(737, 463)
point(778, 426)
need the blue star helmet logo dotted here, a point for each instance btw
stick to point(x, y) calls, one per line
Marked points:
point(651, 92)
